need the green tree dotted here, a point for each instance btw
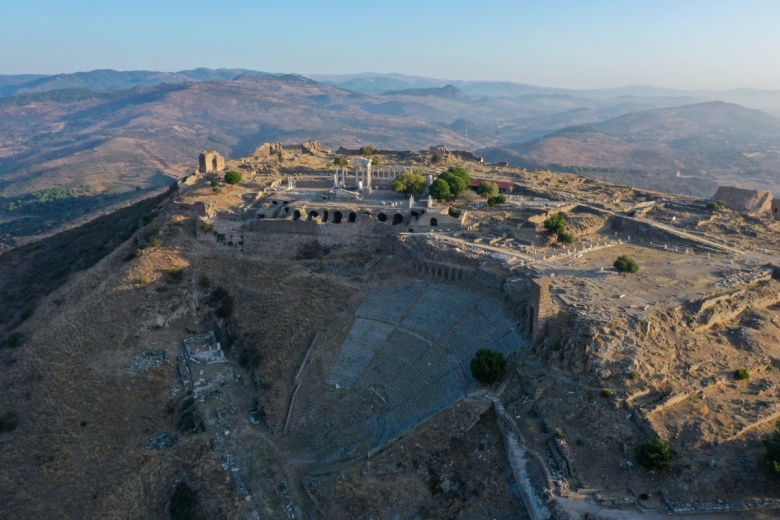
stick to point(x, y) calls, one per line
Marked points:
point(367, 150)
point(716, 206)
point(341, 161)
point(555, 223)
point(440, 190)
point(565, 237)
point(436, 158)
point(654, 454)
point(497, 200)
point(626, 264)
point(741, 374)
point(232, 177)
point(773, 448)
point(488, 366)
point(457, 178)
point(487, 189)
point(409, 184)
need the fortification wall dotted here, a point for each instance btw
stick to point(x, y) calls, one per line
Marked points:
point(277, 238)
point(776, 209)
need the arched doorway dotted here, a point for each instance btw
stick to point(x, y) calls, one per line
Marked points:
point(296, 215)
point(313, 215)
point(381, 217)
point(337, 217)
point(434, 221)
point(324, 215)
point(352, 217)
point(398, 219)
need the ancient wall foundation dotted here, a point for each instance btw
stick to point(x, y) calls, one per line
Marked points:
point(750, 201)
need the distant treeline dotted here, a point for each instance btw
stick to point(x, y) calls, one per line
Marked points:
point(591, 169)
point(34, 202)
point(68, 95)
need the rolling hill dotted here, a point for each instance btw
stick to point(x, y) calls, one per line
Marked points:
point(689, 149)
point(74, 144)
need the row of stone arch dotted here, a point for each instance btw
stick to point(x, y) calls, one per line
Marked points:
point(443, 272)
point(337, 217)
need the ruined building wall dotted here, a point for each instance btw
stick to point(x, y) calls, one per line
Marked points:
point(540, 308)
point(210, 161)
point(751, 201)
point(776, 209)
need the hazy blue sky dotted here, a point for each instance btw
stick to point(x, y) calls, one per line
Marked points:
point(565, 43)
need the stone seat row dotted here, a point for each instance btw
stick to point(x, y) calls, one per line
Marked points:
point(428, 401)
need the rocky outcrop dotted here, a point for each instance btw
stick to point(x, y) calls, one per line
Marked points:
point(313, 148)
point(268, 150)
point(739, 199)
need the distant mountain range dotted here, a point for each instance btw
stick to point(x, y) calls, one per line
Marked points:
point(109, 134)
point(702, 145)
point(106, 79)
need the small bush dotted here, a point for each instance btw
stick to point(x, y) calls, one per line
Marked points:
point(222, 302)
point(606, 392)
point(741, 374)
point(715, 206)
point(487, 189)
point(8, 421)
point(558, 433)
point(207, 227)
point(488, 366)
point(232, 177)
point(183, 502)
point(773, 448)
point(626, 264)
point(436, 158)
point(204, 282)
point(14, 340)
point(654, 454)
point(565, 237)
point(176, 275)
point(496, 201)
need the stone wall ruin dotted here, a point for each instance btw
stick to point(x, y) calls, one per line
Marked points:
point(210, 161)
point(739, 199)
